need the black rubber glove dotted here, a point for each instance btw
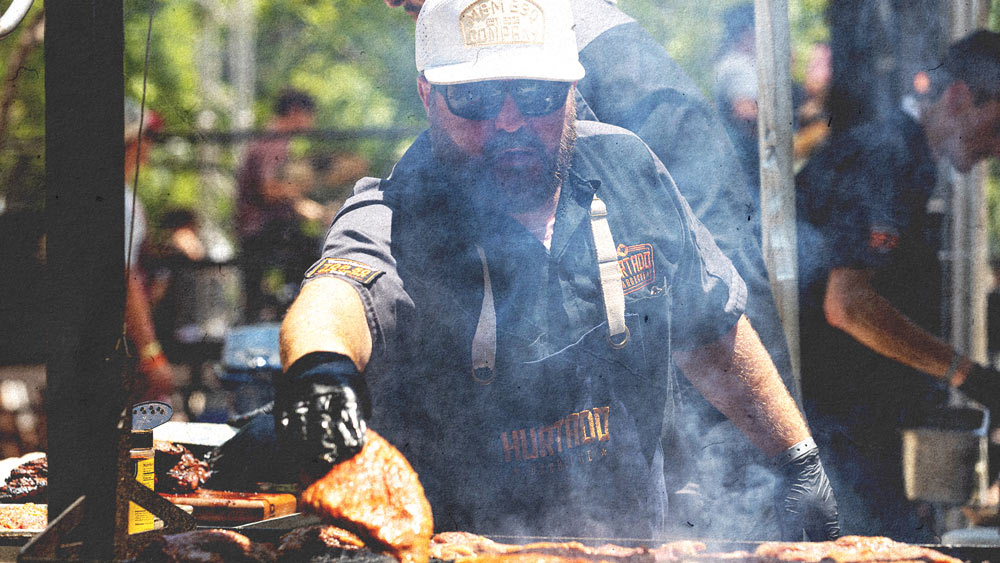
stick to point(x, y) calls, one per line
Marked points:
point(251, 457)
point(320, 408)
point(983, 386)
point(805, 499)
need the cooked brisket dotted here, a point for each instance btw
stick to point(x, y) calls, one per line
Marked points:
point(376, 495)
point(27, 482)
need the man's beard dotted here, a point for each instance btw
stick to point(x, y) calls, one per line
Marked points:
point(511, 189)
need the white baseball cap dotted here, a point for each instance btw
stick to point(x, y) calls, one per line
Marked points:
point(472, 40)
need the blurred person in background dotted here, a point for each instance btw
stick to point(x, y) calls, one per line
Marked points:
point(735, 88)
point(155, 380)
point(169, 257)
point(633, 83)
point(869, 281)
point(812, 115)
point(271, 208)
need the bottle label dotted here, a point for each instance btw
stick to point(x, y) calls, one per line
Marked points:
point(140, 519)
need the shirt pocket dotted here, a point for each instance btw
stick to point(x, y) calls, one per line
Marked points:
point(646, 355)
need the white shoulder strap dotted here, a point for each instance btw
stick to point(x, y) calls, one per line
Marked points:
point(611, 274)
point(484, 343)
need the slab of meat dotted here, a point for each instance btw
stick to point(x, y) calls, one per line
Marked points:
point(207, 546)
point(378, 496)
point(453, 545)
point(331, 544)
point(28, 482)
point(168, 453)
point(525, 558)
point(849, 549)
point(676, 550)
point(464, 547)
point(176, 468)
point(304, 543)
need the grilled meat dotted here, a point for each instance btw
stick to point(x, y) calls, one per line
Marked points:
point(27, 482)
point(675, 550)
point(303, 543)
point(377, 495)
point(207, 546)
point(464, 547)
point(453, 545)
point(168, 453)
point(176, 468)
point(849, 549)
point(330, 544)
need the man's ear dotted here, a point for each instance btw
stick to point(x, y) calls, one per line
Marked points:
point(424, 89)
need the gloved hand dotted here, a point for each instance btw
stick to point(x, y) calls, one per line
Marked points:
point(251, 456)
point(804, 499)
point(320, 408)
point(983, 386)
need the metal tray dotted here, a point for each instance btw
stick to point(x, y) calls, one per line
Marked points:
point(18, 537)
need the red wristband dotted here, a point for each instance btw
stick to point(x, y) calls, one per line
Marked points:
point(154, 362)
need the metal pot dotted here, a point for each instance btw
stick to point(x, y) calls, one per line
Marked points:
point(945, 456)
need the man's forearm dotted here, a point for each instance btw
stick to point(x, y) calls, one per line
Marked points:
point(737, 376)
point(327, 316)
point(852, 305)
point(138, 317)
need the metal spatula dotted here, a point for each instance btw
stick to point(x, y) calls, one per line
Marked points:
point(150, 414)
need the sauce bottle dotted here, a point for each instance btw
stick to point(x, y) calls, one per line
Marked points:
point(141, 455)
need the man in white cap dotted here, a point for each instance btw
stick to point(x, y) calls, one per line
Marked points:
point(632, 82)
point(511, 297)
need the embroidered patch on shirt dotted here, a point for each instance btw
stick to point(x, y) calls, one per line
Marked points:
point(356, 271)
point(636, 263)
point(883, 239)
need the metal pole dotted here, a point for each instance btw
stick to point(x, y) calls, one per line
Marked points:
point(84, 213)
point(244, 61)
point(970, 279)
point(777, 183)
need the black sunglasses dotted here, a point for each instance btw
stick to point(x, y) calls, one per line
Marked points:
point(483, 100)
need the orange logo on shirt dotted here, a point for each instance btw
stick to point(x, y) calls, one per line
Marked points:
point(357, 271)
point(580, 437)
point(636, 264)
point(883, 239)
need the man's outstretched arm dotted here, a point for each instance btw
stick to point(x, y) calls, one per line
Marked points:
point(853, 305)
point(736, 375)
point(321, 402)
point(327, 316)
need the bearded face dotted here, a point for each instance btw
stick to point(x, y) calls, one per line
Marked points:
point(515, 163)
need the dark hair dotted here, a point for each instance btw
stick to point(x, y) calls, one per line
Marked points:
point(974, 60)
point(178, 217)
point(290, 100)
point(737, 20)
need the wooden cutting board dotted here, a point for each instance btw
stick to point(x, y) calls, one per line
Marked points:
point(226, 507)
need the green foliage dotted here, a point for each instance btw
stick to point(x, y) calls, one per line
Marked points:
point(354, 56)
point(692, 31)
point(993, 211)
point(22, 153)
